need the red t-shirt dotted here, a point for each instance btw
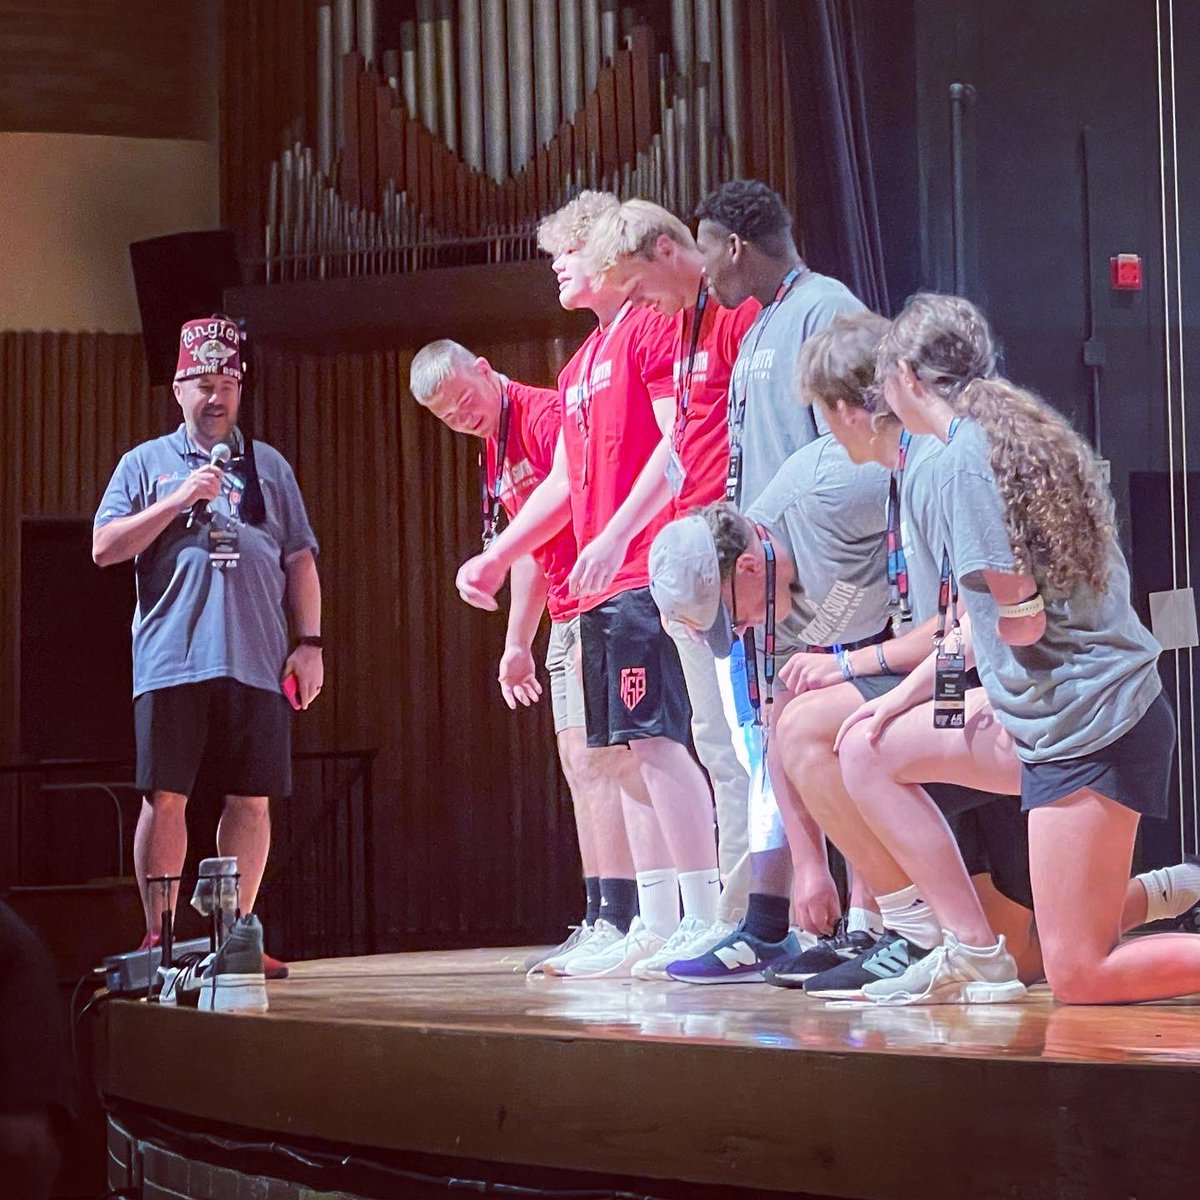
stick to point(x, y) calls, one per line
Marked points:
point(609, 430)
point(535, 417)
point(702, 441)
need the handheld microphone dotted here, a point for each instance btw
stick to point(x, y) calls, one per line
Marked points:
point(218, 457)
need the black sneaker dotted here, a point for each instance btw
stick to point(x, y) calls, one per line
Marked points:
point(829, 952)
point(890, 956)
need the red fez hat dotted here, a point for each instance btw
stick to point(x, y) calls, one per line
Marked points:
point(209, 346)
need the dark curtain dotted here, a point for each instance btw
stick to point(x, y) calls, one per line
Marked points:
point(836, 184)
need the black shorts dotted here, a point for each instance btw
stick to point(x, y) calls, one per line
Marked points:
point(633, 685)
point(240, 736)
point(993, 839)
point(1134, 771)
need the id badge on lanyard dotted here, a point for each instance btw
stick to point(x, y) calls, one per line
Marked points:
point(950, 684)
point(223, 552)
point(950, 666)
point(222, 532)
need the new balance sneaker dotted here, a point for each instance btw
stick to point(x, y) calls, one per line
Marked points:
point(693, 938)
point(738, 958)
point(533, 964)
point(890, 956)
point(617, 959)
point(953, 974)
point(599, 937)
point(838, 947)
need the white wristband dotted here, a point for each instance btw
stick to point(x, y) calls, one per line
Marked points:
point(1027, 608)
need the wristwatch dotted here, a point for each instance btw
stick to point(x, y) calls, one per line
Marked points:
point(310, 640)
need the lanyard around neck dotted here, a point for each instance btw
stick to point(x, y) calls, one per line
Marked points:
point(897, 564)
point(687, 366)
point(737, 404)
point(491, 491)
point(948, 587)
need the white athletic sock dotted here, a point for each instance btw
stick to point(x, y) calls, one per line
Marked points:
point(701, 892)
point(1170, 891)
point(864, 919)
point(658, 900)
point(905, 913)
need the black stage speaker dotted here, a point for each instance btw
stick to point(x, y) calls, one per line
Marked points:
point(178, 277)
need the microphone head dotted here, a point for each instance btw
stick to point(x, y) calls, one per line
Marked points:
point(220, 455)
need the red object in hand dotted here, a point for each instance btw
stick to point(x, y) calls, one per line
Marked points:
point(291, 689)
point(1126, 272)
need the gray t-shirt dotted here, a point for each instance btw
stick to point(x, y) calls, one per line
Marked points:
point(193, 622)
point(920, 525)
point(1093, 674)
point(766, 416)
point(832, 516)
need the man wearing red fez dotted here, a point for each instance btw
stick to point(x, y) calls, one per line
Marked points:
point(227, 625)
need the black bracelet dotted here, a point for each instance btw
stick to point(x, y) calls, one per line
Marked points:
point(310, 640)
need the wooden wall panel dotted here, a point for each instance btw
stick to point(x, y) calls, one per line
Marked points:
point(131, 68)
point(472, 840)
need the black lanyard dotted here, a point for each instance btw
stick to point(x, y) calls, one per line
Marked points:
point(897, 564)
point(491, 491)
point(687, 366)
point(737, 407)
point(948, 588)
point(750, 647)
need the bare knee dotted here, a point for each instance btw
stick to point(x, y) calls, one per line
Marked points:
point(1071, 976)
point(248, 808)
point(166, 803)
point(859, 762)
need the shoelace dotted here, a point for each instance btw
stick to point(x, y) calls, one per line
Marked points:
point(186, 964)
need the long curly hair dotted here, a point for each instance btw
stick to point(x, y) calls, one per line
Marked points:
point(1058, 510)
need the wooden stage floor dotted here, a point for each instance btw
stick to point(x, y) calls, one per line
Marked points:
point(457, 1054)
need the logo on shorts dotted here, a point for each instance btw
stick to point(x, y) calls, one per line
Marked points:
point(633, 686)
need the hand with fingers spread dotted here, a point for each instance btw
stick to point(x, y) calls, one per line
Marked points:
point(518, 677)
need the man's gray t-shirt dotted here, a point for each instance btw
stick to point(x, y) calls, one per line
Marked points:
point(766, 415)
point(194, 622)
point(920, 525)
point(1092, 675)
point(832, 516)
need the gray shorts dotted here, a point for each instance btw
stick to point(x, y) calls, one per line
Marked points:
point(566, 680)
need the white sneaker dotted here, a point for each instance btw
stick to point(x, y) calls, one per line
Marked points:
point(599, 937)
point(953, 974)
point(694, 937)
point(616, 960)
point(533, 964)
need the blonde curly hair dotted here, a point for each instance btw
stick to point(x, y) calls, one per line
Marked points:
point(568, 228)
point(1058, 510)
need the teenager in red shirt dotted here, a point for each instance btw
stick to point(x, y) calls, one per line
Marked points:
point(618, 400)
point(520, 426)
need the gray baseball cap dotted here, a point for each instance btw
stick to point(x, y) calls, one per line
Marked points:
point(685, 581)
